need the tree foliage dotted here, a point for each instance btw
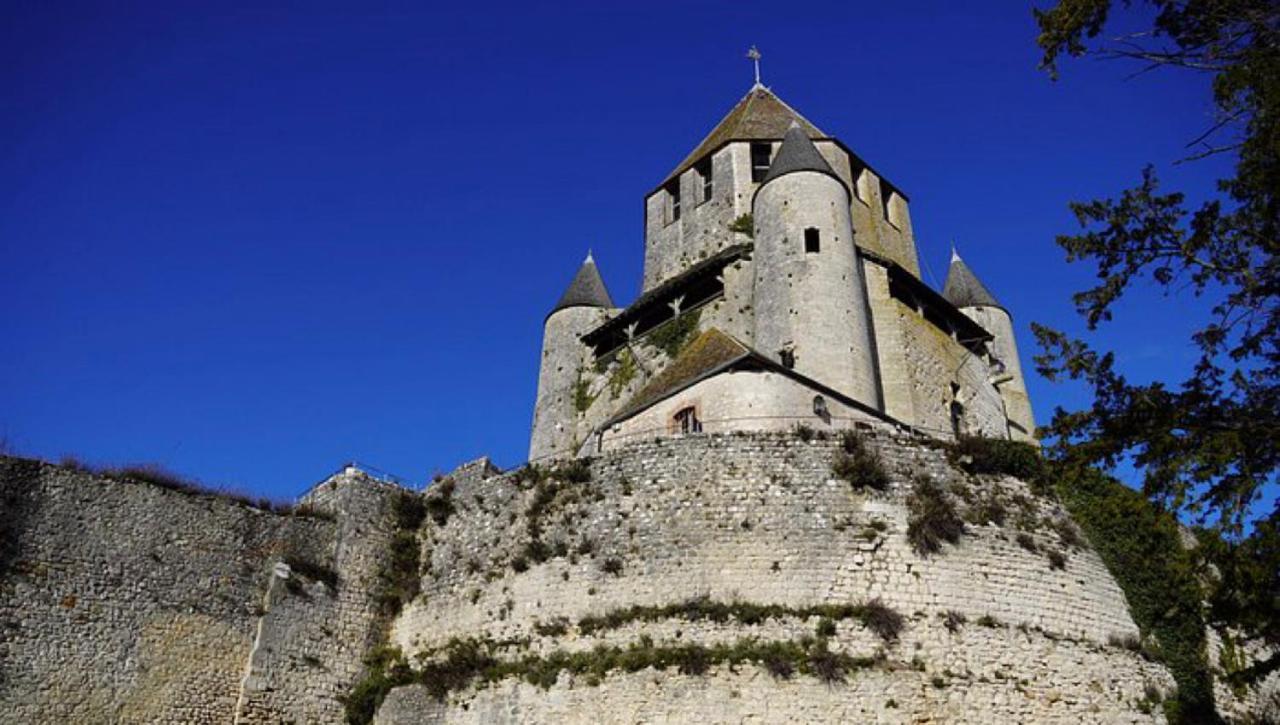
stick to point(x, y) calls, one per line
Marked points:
point(1206, 446)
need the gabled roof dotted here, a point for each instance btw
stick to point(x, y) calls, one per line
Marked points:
point(759, 116)
point(797, 153)
point(586, 290)
point(963, 289)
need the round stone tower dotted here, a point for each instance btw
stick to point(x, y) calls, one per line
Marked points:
point(964, 290)
point(811, 310)
point(583, 306)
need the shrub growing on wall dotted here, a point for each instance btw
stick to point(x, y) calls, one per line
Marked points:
point(975, 454)
point(856, 463)
point(932, 518)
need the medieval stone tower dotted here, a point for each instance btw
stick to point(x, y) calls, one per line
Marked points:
point(781, 289)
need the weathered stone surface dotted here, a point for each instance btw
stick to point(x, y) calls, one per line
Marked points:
point(126, 602)
point(759, 518)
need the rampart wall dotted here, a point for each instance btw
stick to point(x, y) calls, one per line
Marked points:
point(126, 602)
point(760, 519)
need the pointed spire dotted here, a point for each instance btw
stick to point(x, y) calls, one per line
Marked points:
point(586, 290)
point(963, 289)
point(797, 153)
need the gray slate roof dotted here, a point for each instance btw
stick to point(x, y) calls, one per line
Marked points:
point(759, 116)
point(797, 153)
point(963, 289)
point(586, 290)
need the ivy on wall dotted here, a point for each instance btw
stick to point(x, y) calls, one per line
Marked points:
point(1141, 546)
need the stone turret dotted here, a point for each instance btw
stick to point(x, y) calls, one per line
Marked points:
point(585, 304)
point(964, 290)
point(811, 310)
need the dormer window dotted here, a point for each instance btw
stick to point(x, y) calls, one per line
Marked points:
point(811, 241)
point(761, 157)
point(673, 200)
point(703, 168)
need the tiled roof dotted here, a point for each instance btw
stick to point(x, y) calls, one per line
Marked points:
point(709, 351)
point(963, 289)
point(797, 153)
point(759, 116)
point(586, 290)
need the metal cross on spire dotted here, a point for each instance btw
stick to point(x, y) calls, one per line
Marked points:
point(754, 54)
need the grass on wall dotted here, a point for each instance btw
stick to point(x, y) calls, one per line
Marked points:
point(156, 475)
point(875, 615)
point(465, 662)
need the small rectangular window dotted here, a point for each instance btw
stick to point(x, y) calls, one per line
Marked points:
point(704, 172)
point(761, 157)
point(811, 241)
point(686, 421)
point(673, 196)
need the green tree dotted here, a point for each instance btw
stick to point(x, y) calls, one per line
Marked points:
point(1206, 446)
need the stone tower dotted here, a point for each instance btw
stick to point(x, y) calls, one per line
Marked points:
point(811, 311)
point(964, 290)
point(585, 304)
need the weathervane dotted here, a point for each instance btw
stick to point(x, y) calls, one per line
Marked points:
point(754, 55)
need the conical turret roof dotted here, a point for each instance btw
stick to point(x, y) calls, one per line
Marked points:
point(963, 289)
point(797, 153)
point(586, 290)
point(759, 116)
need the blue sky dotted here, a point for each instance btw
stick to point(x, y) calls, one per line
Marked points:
point(250, 243)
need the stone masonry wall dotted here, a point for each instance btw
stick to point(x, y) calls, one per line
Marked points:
point(125, 602)
point(759, 518)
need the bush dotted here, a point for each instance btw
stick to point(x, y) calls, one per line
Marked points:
point(988, 511)
point(577, 470)
point(1027, 542)
point(826, 665)
point(879, 618)
point(399, 578)
point(386, 670)
point(932, 518)
point(1057, 560)
point(826, 627)
point(953, 620)
point(857, 464)
point(555, 628)
point(612, 566)
point(744, 224)
point(975, 454)
point(407, 510)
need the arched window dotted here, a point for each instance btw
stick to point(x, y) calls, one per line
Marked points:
point(686, 421)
